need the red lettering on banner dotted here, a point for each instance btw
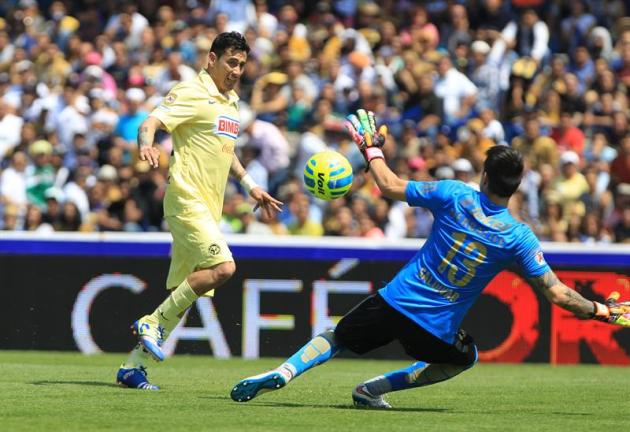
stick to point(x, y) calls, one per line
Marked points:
point(514, 292)
point(567, 332)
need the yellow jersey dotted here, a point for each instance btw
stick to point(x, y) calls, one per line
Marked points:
point(204, 124)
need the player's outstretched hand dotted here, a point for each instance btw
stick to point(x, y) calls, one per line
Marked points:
point(613, 312)
point(150, 154)
point(268, 204)
point(369, 140)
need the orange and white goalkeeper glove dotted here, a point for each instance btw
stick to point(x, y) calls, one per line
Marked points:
point(613, 312)
point(362, 129)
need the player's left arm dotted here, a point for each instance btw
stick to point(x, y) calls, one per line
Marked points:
point(266, 202)
point(561, 295)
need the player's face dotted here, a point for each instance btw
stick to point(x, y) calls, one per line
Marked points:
point(227, 69)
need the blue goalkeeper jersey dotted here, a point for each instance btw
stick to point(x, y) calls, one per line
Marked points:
point(472, 240)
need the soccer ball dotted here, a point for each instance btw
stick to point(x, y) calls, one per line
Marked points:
point(328, 175)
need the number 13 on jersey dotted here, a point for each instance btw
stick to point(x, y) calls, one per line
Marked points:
point(475, 254)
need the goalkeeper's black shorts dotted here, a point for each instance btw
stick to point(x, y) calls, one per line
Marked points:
point(374, 323)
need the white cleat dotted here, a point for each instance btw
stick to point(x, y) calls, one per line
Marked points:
point(362, 398)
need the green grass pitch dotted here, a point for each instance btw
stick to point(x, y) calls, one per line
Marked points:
point(49, 391)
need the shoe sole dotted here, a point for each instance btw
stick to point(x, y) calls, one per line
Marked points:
point(125, 386)
point(154, 351)
point(249, 388)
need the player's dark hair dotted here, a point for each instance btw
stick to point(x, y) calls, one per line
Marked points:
point(229, 40)
point(504, 169)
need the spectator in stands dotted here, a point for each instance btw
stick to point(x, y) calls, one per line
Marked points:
point(622, 228)
point(577, 26)
point(41, 175)
point(10, 129)
point(485, 75)
point(13, 184)
point(425, 107)
point(457, 92)
point(302, 223)
point(568, 136)
point(128, 123)
point(54, 201)
point(490, 18)
point(272, 144)
point(583, 67)
point(270, 96)
point(620, 167)
point(528, 36)
point(572, 185)
point(10, 219)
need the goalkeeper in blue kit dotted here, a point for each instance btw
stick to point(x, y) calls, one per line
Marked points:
point(473, 238)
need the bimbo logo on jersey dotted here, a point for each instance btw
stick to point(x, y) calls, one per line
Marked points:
point(227, 126)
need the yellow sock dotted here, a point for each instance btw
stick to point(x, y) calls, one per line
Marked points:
point(137, 357)
point(171, 310)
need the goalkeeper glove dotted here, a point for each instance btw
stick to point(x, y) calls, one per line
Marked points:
point(613, 312)
point(362, 129)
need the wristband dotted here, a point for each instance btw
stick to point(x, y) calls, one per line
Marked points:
point(248, 183)
point(600, 311)
point(373, 153)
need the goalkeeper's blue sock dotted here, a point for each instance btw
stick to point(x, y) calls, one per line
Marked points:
point(395, 380)
point(317, 351)
point(418, 374)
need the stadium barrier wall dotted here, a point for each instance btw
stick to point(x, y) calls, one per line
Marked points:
point(82, 291)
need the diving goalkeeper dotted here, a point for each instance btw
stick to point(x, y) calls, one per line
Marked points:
point(474, 237)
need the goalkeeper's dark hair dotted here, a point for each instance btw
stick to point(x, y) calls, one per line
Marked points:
point(229, 40)
point(504, 169)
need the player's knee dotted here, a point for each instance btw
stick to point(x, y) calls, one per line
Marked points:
point(224, 271)
point(474, 357)
point(341, 333)
point(468, 354)
point(329, 335)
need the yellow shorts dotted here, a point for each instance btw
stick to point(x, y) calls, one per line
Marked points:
point(197, 244)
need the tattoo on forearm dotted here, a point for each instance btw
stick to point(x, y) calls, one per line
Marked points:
point(143, 137)
point(567, 298)
point(545, 281)
point(577, 304)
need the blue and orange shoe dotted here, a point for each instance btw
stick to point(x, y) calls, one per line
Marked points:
point(151, 335)
point(247, 389)
point(135, 378)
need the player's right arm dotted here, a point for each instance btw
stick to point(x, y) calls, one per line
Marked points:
point(561, 295)
point(388, 182)
point(146, 136)
point(178, 107)
point(369, 140)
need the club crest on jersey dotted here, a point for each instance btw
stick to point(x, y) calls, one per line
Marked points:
point(540, 259)
point(227, 126)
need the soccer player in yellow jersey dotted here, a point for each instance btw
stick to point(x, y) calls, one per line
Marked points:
point(202, 116)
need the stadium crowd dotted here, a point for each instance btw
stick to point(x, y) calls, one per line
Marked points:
point(449, 78)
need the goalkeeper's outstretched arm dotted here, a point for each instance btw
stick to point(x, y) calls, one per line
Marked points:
point(561, 295)
point(388, 182)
